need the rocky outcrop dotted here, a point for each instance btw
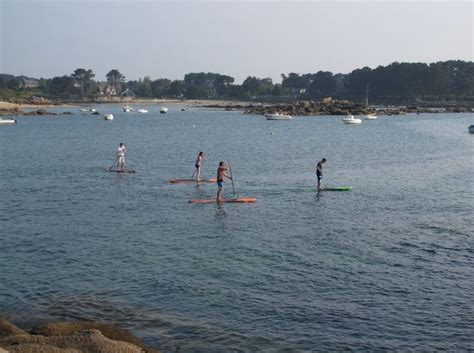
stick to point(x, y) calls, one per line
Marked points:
point(17, 111)
point(39, 112)
point(7, 329)
point(327, 106)
point(10, 111)
point(38, 100)
point(70, 337)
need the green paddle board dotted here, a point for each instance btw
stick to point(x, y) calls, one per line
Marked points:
point(338, 188)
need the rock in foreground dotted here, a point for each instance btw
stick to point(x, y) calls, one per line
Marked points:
point(70, 337)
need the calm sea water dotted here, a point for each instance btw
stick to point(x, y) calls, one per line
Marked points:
point(386, 266)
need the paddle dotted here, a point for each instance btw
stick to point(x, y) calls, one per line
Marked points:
point(113, 165)
point(232, 179)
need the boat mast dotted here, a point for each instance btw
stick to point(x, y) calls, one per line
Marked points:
point(367, 95)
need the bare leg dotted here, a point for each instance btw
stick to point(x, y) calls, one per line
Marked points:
point(198, 174)
point(218, 197)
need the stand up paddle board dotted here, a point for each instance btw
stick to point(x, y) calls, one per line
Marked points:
point(338, 188)
point(122, 171)
point(239, 200)
point(187, 181)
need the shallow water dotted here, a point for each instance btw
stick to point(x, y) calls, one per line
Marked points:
point(385, 266)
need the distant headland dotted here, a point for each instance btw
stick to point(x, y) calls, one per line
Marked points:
point(417, 87)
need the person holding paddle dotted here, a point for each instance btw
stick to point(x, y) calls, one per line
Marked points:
point(197, 165)
point(319, 172)
point(221, 175)
point(120, 156)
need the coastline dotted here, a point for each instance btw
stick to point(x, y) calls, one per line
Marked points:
point(327, 106)
point(191, 102)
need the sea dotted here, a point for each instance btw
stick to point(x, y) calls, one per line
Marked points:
point(387, 266)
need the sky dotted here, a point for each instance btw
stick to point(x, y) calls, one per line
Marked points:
point(167, 39)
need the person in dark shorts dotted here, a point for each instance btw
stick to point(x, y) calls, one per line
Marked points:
point(197, 165)
point(221, 175)
point(319, 172)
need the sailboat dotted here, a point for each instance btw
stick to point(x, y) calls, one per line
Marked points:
point(370, 116)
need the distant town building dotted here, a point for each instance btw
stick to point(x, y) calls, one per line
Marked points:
point(110, 91)
point(128, 93)
point(106, 90)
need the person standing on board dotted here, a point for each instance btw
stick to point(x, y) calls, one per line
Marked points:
point(319, 172)
point(120, 155)
point(221, 175)
point(197, 165)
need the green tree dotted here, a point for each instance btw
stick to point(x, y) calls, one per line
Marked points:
point(83, 78)
point(160, 87)
point(115, 79)
point(14, 84)
point(176, 89)
point(323, 85)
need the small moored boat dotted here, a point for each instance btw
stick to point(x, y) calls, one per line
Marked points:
point(7, 121)
point(278, 116)
point(471, 129)
point(108, 117)
point(163, 110)
point(93, 110)
point(142, 111)
point(371, 116)
point(83, 110)
point(127, 109)
point(351, 120)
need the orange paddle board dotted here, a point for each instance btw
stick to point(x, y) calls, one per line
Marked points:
point(183, 181)
point(239, 200)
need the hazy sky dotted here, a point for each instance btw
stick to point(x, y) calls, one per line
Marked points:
point(240, 38)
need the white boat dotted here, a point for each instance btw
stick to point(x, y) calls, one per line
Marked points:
point(278, 116)
point(372, 116)
point(108, 117)
point(127, 109)
point(351, 120)
point(143, 111)
point(163, 110)
point(83, 110)
point(471, 129)
point(93, 110)
point(7, 121)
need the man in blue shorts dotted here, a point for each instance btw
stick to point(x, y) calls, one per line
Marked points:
point(221, 175)
point(319, 172)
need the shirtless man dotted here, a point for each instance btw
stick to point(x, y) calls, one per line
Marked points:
point(221, 175)
point(120, 155)
point(319, 172)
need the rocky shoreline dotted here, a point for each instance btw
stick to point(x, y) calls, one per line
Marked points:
point(326, 106)
point(18, 111)
point(330, 106)
point(70, 337)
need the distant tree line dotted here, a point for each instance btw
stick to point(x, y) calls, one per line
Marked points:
point(441, 80)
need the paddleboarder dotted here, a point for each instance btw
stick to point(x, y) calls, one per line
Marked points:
point(221, 175)
point(197, 165)
point(319, 172)
point(120, 155)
